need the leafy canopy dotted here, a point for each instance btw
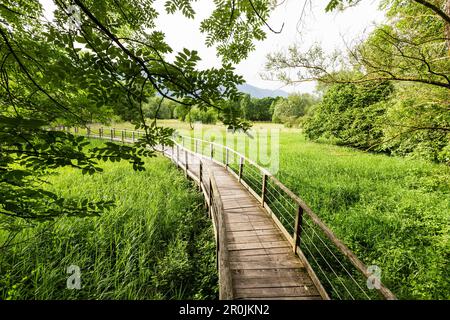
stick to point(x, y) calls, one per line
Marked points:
point(95, 60)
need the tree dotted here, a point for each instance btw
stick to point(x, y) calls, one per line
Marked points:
point(412, 50)
point(255, 109)
point(159, 108)
point(413, 46)
point(293, 107)
point(95, 59)
point(350, 115)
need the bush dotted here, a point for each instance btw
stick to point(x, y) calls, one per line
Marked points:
point(417, 127)
point(350, 115)
point(196, 115)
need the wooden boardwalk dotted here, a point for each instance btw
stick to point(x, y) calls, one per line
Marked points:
point(260, 259)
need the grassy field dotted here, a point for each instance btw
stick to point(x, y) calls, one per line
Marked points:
point(392, 212)
point(155, 244)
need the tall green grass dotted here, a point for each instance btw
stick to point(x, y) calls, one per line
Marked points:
point(392, 212)
point(155, 244)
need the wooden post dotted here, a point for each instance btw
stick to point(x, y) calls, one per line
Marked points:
point(298, 228)
point(88, 129)
point(112, 134)
point(123, 136)
point(100, 132)
point(263, 191)
point(185, 162)
point(132, 136)
point(178, 154)
point(200, 173)
point(241, 168)
point(196, 146)
point(210, 197)
point(226, 158)
point(211, 147)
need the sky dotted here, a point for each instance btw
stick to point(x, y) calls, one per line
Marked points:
point(317, 26)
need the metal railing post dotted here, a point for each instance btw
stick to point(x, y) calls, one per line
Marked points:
point(263, 191)
point(226, 158)
point(298, 228)
point(200, 174)
point(241, 168)
point(210, 197)
point(185, 162)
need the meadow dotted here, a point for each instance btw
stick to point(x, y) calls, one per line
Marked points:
point(393, 212)
point(156, 243)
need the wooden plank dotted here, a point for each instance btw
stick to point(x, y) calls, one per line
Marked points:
point(250, 213)
point(257, 252)
point(262, 273)
point(300, 291)
point(265, 258)
point(254, 238)
point(271, 282)
point(257, 245)
point(248, 225)
point(249, 265)
point(243, 218)
point(251, 232)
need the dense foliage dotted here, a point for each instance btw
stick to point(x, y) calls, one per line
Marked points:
point(350, 115)
point(290, 110)
point(255, 109)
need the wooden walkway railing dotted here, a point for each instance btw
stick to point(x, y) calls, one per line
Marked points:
point(328, 260)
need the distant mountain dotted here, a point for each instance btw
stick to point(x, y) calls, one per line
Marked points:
point(256, 92)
